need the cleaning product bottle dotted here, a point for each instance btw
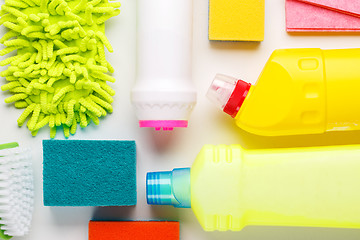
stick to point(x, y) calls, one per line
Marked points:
point(300, 91)
point(163, 96)
point(229, 187)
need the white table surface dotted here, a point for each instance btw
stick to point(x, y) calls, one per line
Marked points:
point(165, 151)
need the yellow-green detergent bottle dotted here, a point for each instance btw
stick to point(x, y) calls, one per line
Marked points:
point(300, 91)
point(229, 187)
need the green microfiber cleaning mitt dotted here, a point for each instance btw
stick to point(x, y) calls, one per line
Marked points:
point(59, 74)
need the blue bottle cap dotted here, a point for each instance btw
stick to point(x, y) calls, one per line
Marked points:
point(169, 188)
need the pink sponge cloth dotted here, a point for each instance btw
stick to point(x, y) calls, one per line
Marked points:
point(322, 15)
point(134, 230)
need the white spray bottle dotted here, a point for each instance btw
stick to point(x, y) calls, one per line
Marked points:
point(164, 96)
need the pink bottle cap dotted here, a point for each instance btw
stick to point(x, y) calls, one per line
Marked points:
point(166, 125)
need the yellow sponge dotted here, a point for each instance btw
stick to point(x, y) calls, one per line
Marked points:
point(236, 20)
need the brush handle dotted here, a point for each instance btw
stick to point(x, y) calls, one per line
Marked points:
point(8, 145)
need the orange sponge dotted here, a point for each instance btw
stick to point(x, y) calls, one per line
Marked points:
point(132, 230)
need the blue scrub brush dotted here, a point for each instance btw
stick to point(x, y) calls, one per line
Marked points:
point(16, 191)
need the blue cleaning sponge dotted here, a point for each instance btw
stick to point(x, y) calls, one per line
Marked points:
point(89, 173)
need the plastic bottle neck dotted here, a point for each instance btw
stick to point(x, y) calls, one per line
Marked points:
point(228, 93)
point(169, 188)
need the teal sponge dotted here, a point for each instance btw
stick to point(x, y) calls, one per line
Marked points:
point(89, 173)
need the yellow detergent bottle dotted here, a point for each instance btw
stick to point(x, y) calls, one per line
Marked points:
point(229, 187)
point(300, 91)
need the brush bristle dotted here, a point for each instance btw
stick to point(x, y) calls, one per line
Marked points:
point(16, 191)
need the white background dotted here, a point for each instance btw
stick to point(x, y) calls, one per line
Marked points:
point(165, 151)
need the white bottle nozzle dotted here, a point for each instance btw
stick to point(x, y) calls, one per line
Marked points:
point(221, 90)
point(228, 93)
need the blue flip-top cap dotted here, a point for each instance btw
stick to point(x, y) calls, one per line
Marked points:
point(169, 188)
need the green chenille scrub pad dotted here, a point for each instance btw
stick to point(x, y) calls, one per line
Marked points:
point(60, 74)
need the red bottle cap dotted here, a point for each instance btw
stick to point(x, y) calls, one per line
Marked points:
point(237, 98)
